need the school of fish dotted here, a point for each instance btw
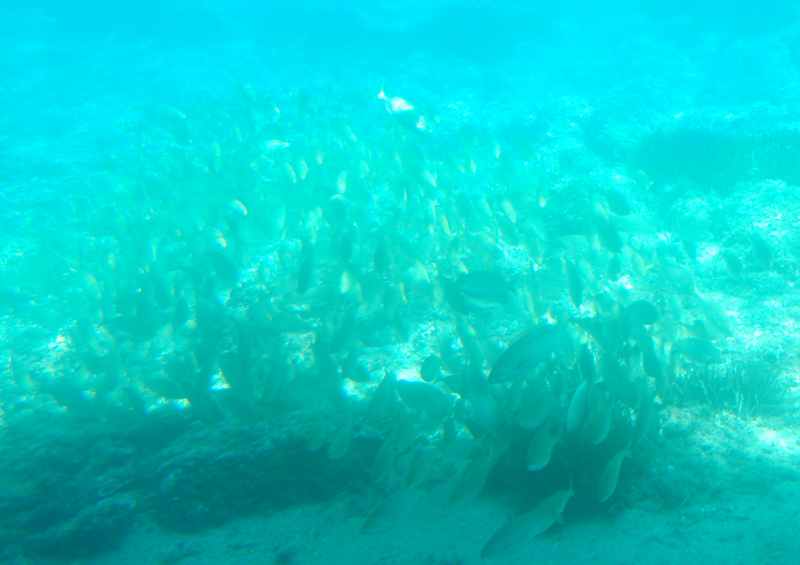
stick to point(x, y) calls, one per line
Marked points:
point(483, 300)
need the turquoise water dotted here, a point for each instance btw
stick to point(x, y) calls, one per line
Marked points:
point(537, 258)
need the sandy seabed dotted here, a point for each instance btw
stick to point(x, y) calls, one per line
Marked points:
point(715, 490)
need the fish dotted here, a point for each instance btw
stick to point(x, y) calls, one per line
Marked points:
point(608, 479)
point(650, 362)
point(574, 282)
point(342, 438)
point(521, 529)
point(761, 254)
point(535, 403)
point(473, 473)
point(472, 345)
point(480, 414)
point(640, 313)
point(400, 439)
point(276, 144)
point(617, 202)
point(598, 421)
point(394, 104)
point(305, 271)
point(717, 320)
point(697, 349)
point(477, 289)
point(424, 397)
point(587, 365)
point(646, 415)
point(540, 447)
point(541, 344)
point(578, 408)
point(733, 263)
point(608, 234)
point(12, 298)
point(431, 370)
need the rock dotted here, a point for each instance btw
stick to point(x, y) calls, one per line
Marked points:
point(95, 529)
point(204, 481)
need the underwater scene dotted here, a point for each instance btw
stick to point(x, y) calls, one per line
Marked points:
point(387, 283)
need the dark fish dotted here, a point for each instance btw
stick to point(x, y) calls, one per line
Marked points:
point(697, 349)
point(381, 258)
point(521, 529)
point(761, 253)
point(424, 398)
point(223, 264)
point(609, 478)
point(586, 364)
point(574, 283)
point(690, 247)
point(11, 298)
point(614, 267)
point(485, 285)
point(431, 370)
point(609, 236)
point(354, 369)
point(306, 270)
point(608, 332)
point(618, 203)
point(344, 246)
point(640, 313)
point(477, 288)
point(614, 373)
point(542, 343)
point(733, 263)
point(480, 414)
point(650, 362)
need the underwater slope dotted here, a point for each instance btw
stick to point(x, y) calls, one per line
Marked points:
point(513, 282)
point(272, 301)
